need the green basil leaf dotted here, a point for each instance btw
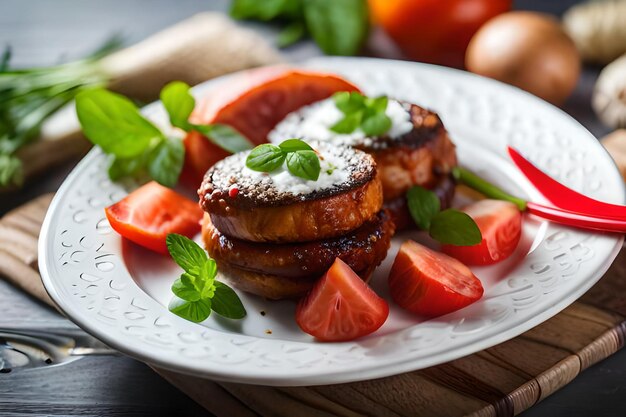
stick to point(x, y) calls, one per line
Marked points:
point(114, 123)
point(265, 158)
point(349, 102)
point(265, 9)
point(348, 124)
point(455, 228)
point(189, 278)
point(293, 145)
point(183, 290)
point(166, 161)
point(225, 137)
point(304, 164)
point(179, 103)
point(290, 34)
point(207, 284)
point(339, 27)
point(376, 125)
point(210, 269)
point(185, 252)
point(378, 104)
point(423, 205)
point(126, 167)
point(226, 302)
point(196, 311)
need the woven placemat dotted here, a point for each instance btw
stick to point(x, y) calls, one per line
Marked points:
point(500, 381)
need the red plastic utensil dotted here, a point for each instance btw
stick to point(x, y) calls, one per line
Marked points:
point(576, 219)
point(562, 196)
point(569, 217)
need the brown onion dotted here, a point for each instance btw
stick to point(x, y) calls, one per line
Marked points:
point(528, 50)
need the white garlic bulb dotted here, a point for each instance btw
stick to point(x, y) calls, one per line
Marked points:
point(609, 95)
point(598, 29)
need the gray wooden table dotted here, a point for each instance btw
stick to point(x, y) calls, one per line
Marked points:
point(44, 32)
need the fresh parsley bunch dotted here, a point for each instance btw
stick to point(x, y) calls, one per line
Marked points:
point(302, 161)
point(197, 292)
point(448, 226)
point(359, 111)
point(339, 27)
point(136, 147)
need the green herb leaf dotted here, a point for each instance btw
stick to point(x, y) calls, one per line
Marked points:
point(291, 34)
point(265, 9)
point(225, 137)
point(185, 289)
point(339, 27)
point(360, 111)
point(376, 125)
point(348, 124)
point(423, 205)
point(304, 164)
point(378, 104)
point(293, 145)
point(126, 167)
point(196, 311)
point(265, 158)
point(226, 303)
point(349, 101)
point(196, 291)
point(207, 284)
point(455, 228)
point(179, 103)
point(185, 252)
point(166, 162)
point(114, 123)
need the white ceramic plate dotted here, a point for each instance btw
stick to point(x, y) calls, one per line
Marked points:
point(119, 292)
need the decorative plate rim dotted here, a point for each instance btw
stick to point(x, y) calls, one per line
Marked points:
point(285, 375)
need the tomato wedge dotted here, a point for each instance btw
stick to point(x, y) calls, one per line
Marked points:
point(500, 223)
point(430, 283)
point(253, 102)
point(200, 155)
point(147, 215)
point(341, 307)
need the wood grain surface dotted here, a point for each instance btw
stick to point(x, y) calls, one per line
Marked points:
point(500, 381)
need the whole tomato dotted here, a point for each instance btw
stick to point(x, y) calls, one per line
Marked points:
point(435, 31)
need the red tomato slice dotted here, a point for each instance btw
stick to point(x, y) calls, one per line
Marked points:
point(253, 102)
point(500, 223)
point(341, 307)
point(430, 283)
point(200, 155)
point(147, 215)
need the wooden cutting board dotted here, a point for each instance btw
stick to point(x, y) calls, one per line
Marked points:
point(501, 381)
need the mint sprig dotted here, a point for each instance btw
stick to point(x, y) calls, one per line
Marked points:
point(136, 147)
point(197, 292)
point(302, 161)
point(448, 226)
point(362, 112)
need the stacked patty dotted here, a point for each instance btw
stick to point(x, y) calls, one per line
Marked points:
point(415, 151)
point(275, 234)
